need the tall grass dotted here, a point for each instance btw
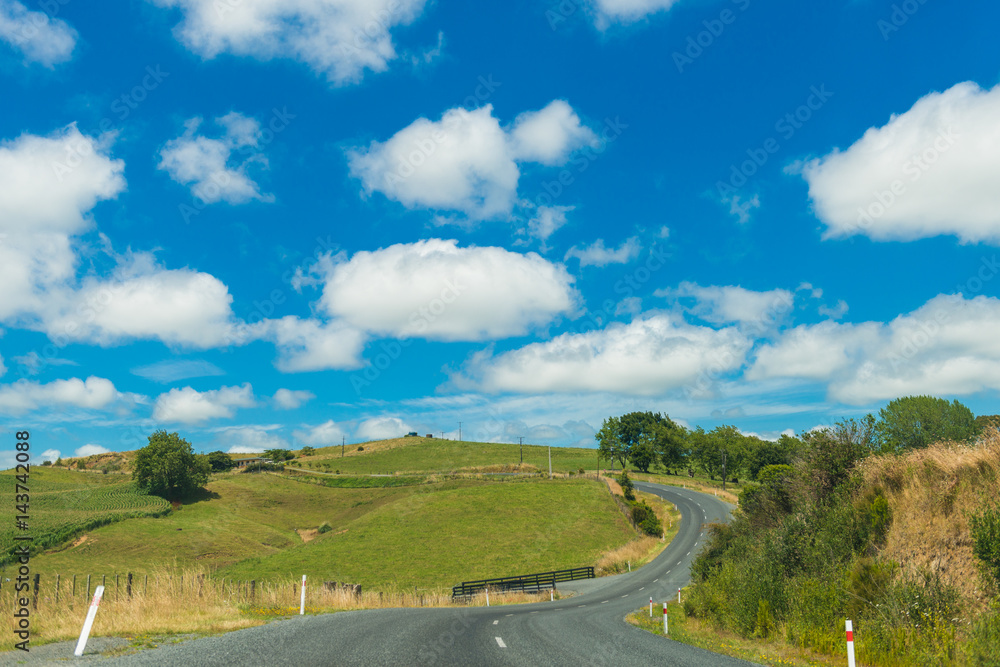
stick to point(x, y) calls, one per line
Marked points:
point(191, 601)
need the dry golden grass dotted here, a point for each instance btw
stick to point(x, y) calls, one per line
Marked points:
point(171, 603)
point(930, 492)
point(643, 548)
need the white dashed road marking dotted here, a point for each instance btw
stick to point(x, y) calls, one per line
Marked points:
point(495, 622)
point(500, 642)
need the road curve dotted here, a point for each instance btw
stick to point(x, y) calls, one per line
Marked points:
point(585, 629)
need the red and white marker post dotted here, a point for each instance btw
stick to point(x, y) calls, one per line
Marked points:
point(850, 644)
point(666, 626)
point(678, 596)
point(302, 604)
point(89, 623)
point(651, 606)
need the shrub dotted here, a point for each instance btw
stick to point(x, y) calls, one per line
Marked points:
point(46, 463)
point(324, 528)
point(360, 448)
point(580, 471)
point(984, 524)
point(307, 451)
point(627, 487)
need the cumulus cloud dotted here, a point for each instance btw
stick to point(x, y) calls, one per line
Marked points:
point(90, 450)
point(40, 38)
point(340, 39)
point(927, 172)
point(249, 439)
point(322, 435)
point(646, 357)
point(288, 399)
point(547, 220)
point(207, 165)
point(24, 396)
point(187, 406)
point(466, 161)
point(382, 428)
point(311, 345)
point(608, 12)
point(435, 289)
point(945, 347)
point(597, 255)
point(51, 455)
point(732, 303)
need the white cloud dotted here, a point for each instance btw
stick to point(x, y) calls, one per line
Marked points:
point(288, 399)
point(25, 395)
point(732, 303)
point(434, 289)
point(741, 209)
point(3, 369)
point(39, 37)
point(466, 162)
point(549, 135)
point(382, 428)
point(927, 172)
point(188, 406)
point(945, 347)
point(626, 11)
point(311, 345)
point(90, 450)
point(647, 357)
point(547, 220)
point(597, 255)
point(340, 39)
point(322, 435)
point(249, 439)
point(51, 455)
point(206, 165)
point(172, 370)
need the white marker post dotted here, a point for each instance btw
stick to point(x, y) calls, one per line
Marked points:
point(89, 623)
point(651, 607)
point(487, 596)
point(666, 627)
point(678, 596)
point(302, 605)
point(850, 644)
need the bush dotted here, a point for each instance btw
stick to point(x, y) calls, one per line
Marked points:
point(307, 451)
point(46, 463)
point(360, 448)
point(984, 524)
point(580, 471)
point(324, 528)
point(627, 487)
point(645, 517)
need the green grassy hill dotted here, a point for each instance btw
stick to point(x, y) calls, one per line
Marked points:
point(407, 530)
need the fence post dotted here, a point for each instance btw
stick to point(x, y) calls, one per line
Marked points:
point(88, 585)
point(253, 588)
point(57, 589)
point(201, 585)
point(145, 584)
point(34, 597)
point(74, 585)
point(128, 586)
point(117, 596)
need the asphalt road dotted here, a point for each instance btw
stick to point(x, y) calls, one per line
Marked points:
point(585, 629)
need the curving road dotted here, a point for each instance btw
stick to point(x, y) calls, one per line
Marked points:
point(586, 629)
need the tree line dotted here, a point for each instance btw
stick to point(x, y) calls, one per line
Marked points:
point(651, 439)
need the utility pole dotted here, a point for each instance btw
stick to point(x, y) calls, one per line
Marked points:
point(460, 431)
point(550, 461)
point(343, 439)
point(522, 449)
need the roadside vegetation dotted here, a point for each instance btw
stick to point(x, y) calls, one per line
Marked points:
point(891, 521)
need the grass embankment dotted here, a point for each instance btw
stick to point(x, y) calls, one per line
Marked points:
point(884, 541)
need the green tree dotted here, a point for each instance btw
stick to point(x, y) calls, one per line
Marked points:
point(830, 454)
point(628, 489)
point(168, 467)
point(610, 445)
point(914, 422)
point(763, 453)
point(307, 451)
point(219, 461)
point(279, 455)
point(642, 438)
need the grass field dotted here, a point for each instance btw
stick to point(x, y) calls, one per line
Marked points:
point(63, 504)
point(435, 536)
point(434, 455)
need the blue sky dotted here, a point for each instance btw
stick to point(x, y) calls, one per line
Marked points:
point(271, 224)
